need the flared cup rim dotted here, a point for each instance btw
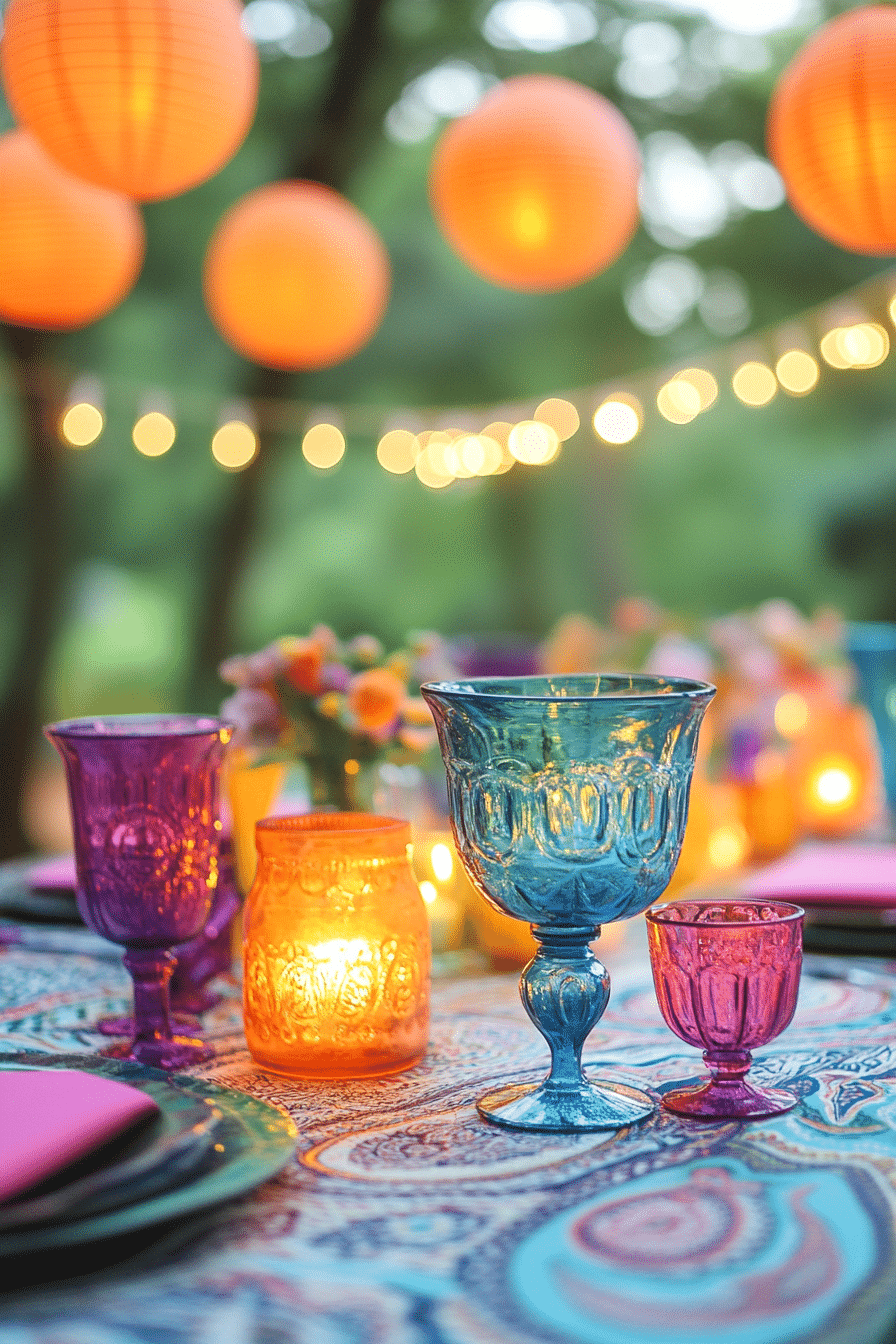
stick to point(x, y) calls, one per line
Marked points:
point(127, 727)
point(656, 914)
point(639, 686)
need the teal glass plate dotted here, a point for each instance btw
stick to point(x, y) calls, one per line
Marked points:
point(253, 1141)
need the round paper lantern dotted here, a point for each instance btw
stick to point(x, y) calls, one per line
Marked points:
point(69, 252)
point(295, 277)
point(832, 131)
point(147, 97)
point(537, 189)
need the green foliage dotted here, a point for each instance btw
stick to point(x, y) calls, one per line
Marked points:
point(735, 507)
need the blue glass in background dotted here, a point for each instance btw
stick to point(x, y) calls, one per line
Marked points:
point(568, 799)
point(872, 647)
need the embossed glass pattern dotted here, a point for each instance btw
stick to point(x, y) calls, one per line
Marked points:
point(569, 799)
point(143, 790)
point(337, 953)
point(727, 976)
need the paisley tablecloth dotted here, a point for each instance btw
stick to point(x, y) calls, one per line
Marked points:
point(404, 1218)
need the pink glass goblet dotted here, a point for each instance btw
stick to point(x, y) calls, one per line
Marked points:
point(727, 974)
point(143, 790)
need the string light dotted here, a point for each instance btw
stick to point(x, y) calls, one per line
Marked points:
point(323, 446)
point(797, 372)
point(234, 445)
point(678, 401)
point(618, 419)
point(82, 424)
point(82, 420)
point(754, 384)
point(154, 434)
point(891, 309)
point(561, 415)
point(397, 451)
point(533, 443)
point(703, 383)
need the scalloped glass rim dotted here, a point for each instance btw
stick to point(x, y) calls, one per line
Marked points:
point(785, 912)
point(603, 686)
point(139, 726)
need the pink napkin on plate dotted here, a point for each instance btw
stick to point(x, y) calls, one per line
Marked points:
point(57, 874)
point(52, 1117)
point(830, 875)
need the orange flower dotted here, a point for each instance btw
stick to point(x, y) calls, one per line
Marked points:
point(375, 698)
point(304, 658)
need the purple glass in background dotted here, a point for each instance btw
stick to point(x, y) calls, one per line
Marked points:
point(143, 790)
point(727, 975)
point(496, 656)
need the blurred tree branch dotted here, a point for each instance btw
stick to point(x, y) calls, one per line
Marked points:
point(327, 155)
point(43, 570)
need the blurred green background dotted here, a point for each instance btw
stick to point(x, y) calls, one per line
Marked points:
point(160, 565)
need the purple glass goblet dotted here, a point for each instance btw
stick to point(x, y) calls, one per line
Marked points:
point(197, 962)
point(143, 790)
point(727, 974)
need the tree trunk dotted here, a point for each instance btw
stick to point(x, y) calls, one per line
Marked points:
point(43, 570)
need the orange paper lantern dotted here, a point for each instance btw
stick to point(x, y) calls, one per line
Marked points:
point(69, 252)
point(537, 189)
point(148, 97)
point(832, 131)
point(295, 277)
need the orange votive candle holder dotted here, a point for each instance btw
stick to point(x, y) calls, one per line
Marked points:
point(336, 948)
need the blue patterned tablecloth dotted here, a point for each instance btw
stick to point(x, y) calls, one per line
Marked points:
point(404, 1218)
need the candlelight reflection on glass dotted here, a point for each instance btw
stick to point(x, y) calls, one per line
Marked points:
point(337, 948)
point(569, 798)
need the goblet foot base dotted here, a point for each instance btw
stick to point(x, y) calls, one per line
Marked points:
point(552, 1111)
point(178, 1053)
point(721, 1101)
point(124, 1026)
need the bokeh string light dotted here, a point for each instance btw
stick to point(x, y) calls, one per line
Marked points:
point(517, 437)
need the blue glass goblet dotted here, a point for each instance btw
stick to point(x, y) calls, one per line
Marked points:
point(568, 797)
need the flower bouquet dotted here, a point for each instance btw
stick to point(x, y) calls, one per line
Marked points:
point(335, 707)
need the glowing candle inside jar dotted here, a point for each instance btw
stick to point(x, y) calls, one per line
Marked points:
point(336, 948)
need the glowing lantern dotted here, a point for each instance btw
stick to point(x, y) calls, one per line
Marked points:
point(836, 771)
point(537, 189)
point(295, 277)
point(69, 252)
point(832, 130)
point(148, 97)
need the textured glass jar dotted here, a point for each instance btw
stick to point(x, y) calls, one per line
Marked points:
point(336, 948)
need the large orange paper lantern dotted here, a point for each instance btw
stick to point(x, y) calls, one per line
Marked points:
point(537, 189)
point(69, 252)
point(296, 277)
point(832, 131)
point(147, 97)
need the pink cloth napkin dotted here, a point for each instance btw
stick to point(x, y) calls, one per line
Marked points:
point(51, 1117)
point(830, 874)
point(56, 874)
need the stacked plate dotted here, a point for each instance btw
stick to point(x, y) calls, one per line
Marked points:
point(94, 1148)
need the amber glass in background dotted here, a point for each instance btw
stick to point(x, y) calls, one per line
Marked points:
point(727, 975)
point(336, 948)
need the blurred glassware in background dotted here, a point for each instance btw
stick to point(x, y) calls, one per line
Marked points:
point(872, 647)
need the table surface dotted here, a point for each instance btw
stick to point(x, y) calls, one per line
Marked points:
point(405, 1218)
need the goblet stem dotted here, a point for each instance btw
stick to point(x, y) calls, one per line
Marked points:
point(728, 1095)
point(154, 1043)
point(565, 990)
